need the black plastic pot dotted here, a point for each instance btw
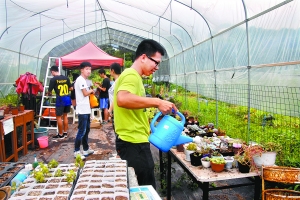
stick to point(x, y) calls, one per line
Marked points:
point(244, 168)
point(195, 160)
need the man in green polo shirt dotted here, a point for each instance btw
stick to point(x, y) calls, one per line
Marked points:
point(130, 103)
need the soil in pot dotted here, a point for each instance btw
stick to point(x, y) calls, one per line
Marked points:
point(243, 168)
point(195, 159)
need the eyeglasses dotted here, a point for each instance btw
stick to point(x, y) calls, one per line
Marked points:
point(156, 63)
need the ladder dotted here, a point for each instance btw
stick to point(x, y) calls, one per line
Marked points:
point(48, 76)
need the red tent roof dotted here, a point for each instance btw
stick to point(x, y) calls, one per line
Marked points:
point(90, 53)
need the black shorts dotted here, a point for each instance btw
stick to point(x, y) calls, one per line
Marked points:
point(59, 111)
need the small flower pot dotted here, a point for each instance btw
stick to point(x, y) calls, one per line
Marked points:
point(217, 167)
point(21, 108)
point(243, 168)
point(205, 163)
point(6, 110)
point(14, 111)
point(229, 160)
point(187, 154)
point(180, 148)
point(195, 160)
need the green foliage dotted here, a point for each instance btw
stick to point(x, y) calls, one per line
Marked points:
point(53, 164)
point(44, 169)
point(218, 160)
point(192, 146)
point(71, 175)
point(233, 119)
point(150, 113)
point(58, 173)
point(9, 99)
point(14, 186)
point(79, 162)
point(39, 176)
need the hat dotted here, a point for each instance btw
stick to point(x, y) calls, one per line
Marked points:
point(85, 64)
point(54, 68)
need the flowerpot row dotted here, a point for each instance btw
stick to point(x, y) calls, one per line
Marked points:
point(14, 110)
point(217, 164)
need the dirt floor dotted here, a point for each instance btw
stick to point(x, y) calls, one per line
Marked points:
point(102, 140)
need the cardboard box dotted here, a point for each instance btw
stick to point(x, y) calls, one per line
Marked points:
point(95, 125)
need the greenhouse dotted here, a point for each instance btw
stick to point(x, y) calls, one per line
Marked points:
point(231, 63)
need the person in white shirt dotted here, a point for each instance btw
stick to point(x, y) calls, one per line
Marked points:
point(83, 109)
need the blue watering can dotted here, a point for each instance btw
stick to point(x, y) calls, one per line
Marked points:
point(167, 133)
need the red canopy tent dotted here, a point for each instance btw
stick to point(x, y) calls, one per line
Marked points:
point(90, 53)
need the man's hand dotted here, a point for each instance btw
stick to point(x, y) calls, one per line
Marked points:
point(167, 107)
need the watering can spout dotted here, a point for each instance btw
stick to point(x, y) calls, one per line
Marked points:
point(182, 139)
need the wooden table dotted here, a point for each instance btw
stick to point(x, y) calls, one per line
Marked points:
point(20, 138)
point(205, 175)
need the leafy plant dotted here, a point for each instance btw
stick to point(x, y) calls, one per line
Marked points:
point(150, 112)
point(192, 146)
point(53, 164)
point(205, 150)
point(14, 186)
point(206, 158)
point(58, 173)
point(272, 146)
point(39, 176)
point(70, 176)
point(79, 162)
point(197, 153)
point(216, 153)
point(217, 160)
point(44, 169)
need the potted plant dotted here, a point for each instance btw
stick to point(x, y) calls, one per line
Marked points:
point(205, 162)
point(216, 154)
point(228, 162)
point(190, 148)
point(267, 154)
point(205, 152)
point(14, 109)
point(244, 158)
point(217, 164)
point(180, 148)
point(21, 107)
point(196, 158)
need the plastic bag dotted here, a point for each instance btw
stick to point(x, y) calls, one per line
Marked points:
point(93, 101)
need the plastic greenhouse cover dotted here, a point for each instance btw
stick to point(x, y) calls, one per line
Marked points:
point(203, 36)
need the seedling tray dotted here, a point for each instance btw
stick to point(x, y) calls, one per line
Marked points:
point(8, 170)
point(104, 179)
point(54, 187)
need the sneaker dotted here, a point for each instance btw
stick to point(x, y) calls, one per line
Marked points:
point(78, 153)
point(88, 152)
point(65, 134)
point(58, 136)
